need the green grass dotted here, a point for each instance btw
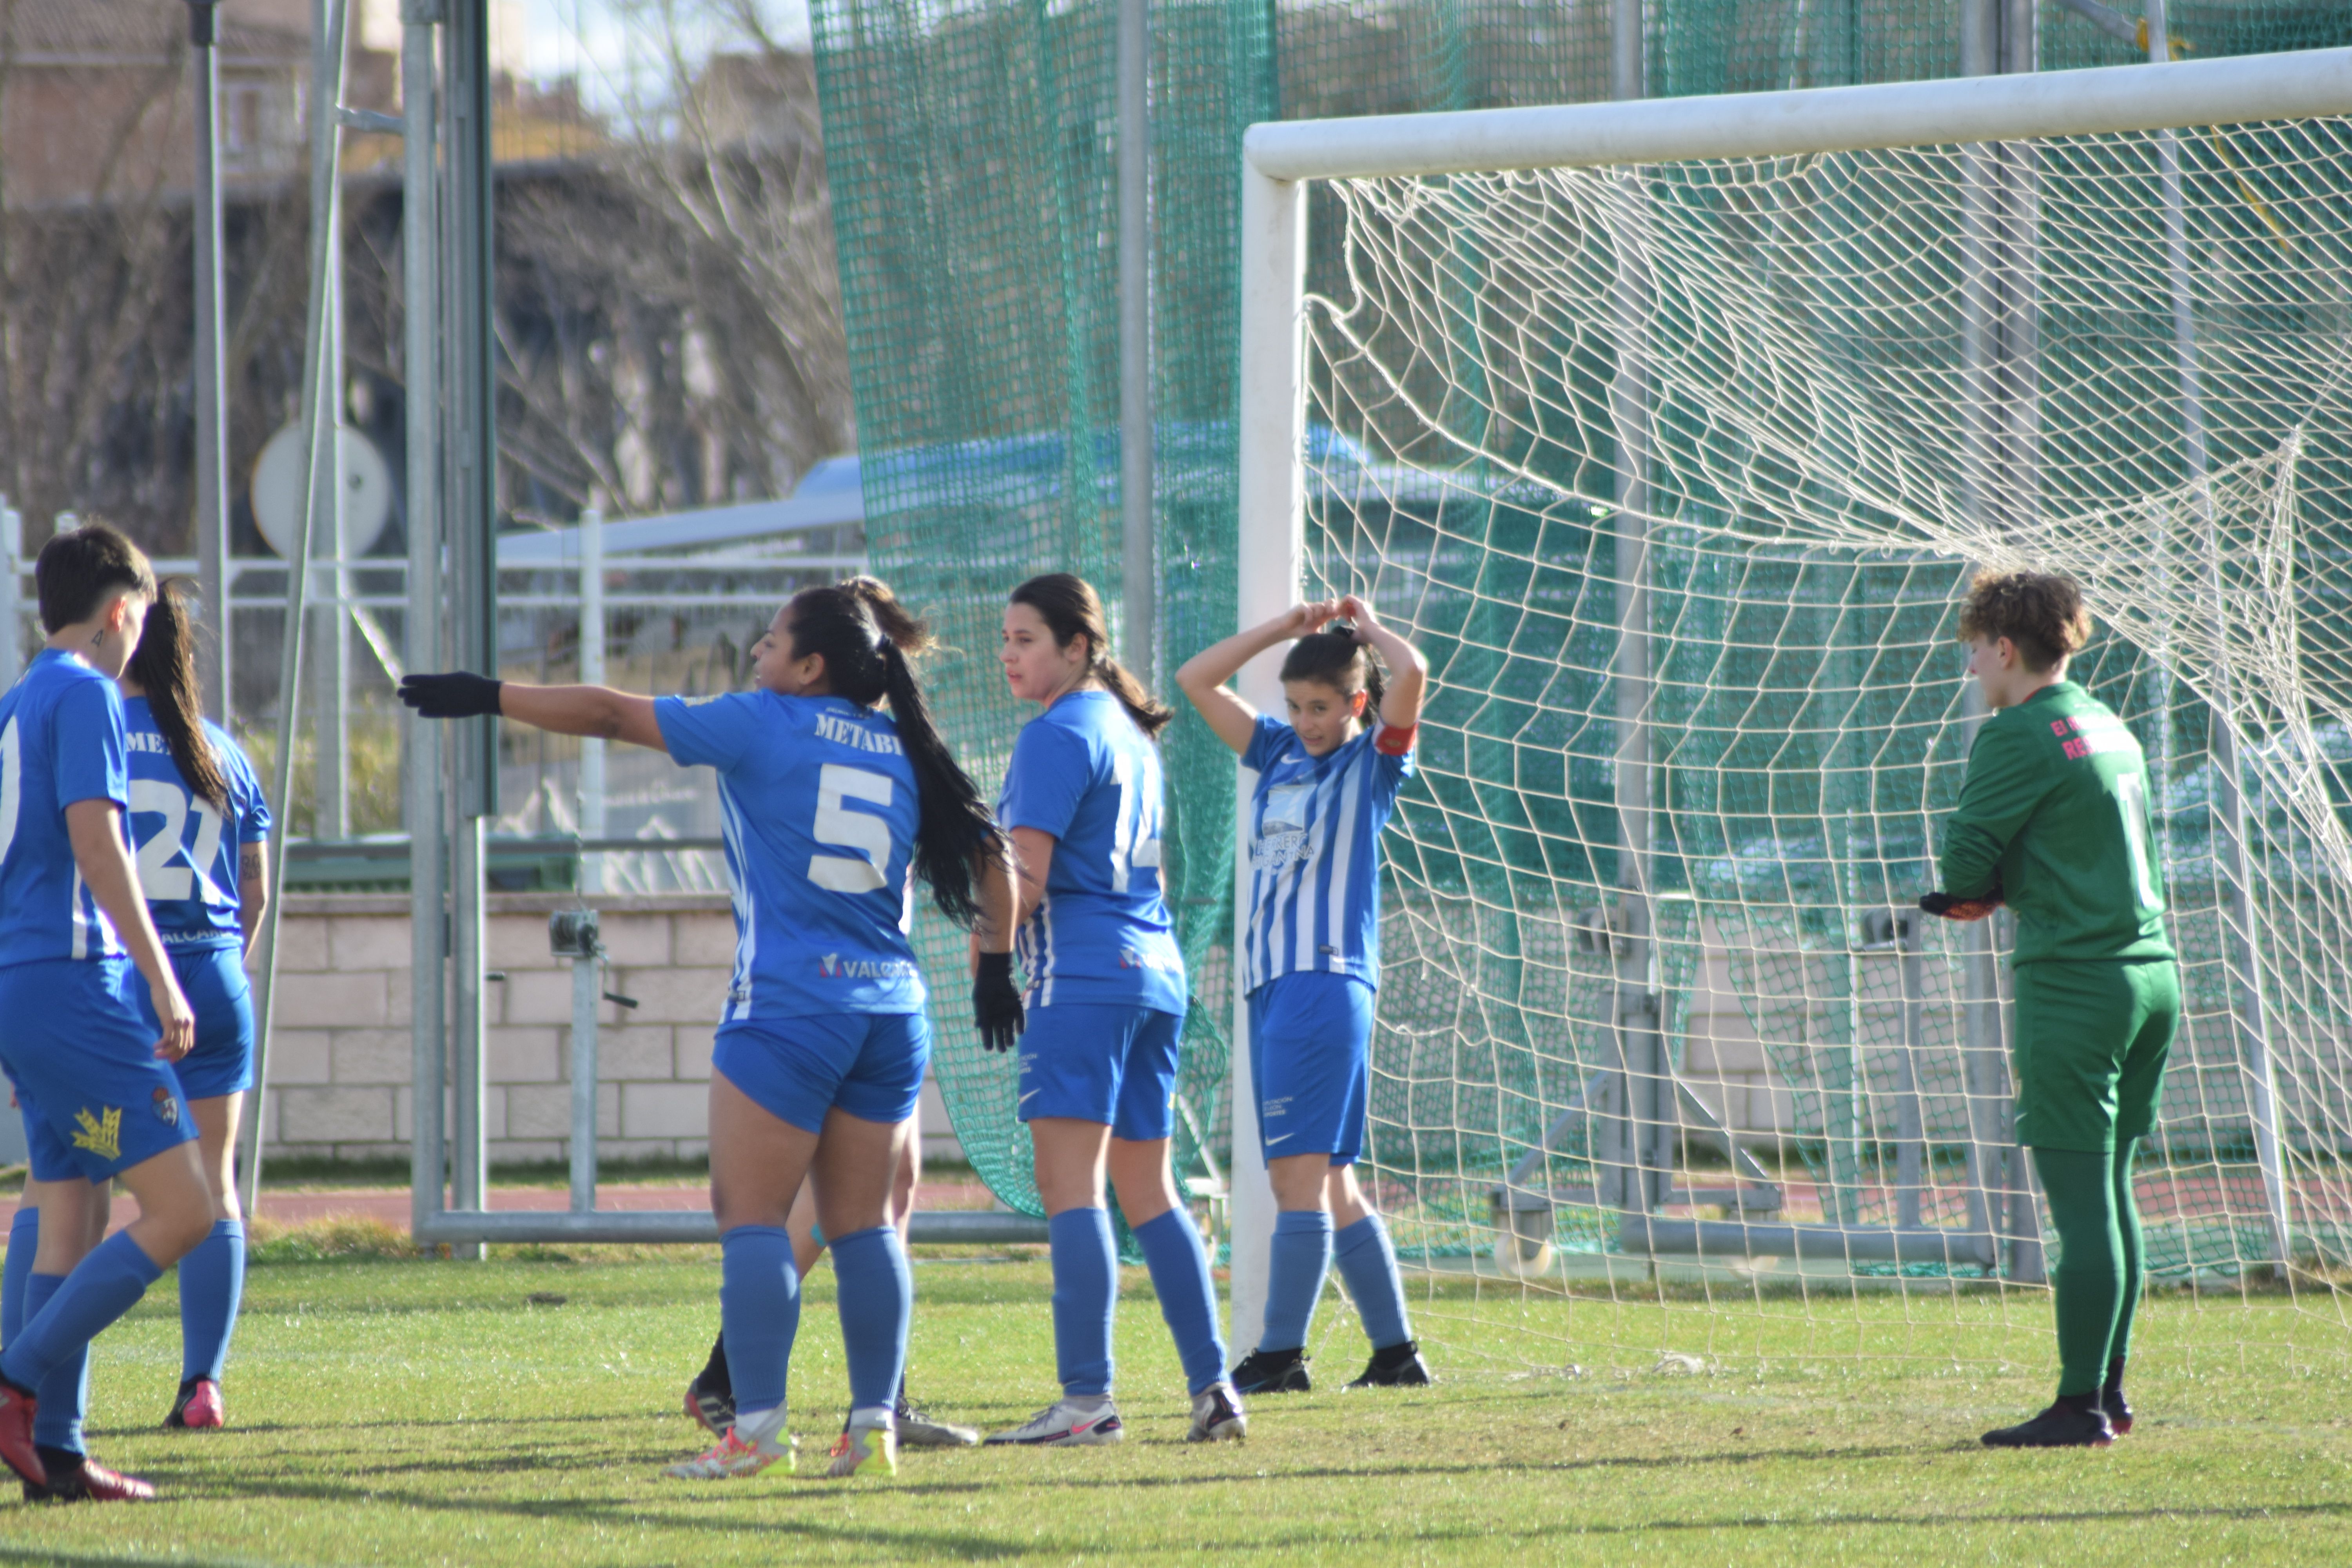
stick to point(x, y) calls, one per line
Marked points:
point(414, 1411)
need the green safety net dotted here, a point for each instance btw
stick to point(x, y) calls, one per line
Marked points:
point(971, 156)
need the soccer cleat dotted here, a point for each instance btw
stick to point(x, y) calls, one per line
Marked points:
point(1273, 1372)
point(198, 1408)
point(918, 1428)
point(16, 1450)
point(1063, 1424)
point(744, 1449)
point(714, 1407)
point(1396, 1366)
point(2118, 1413)
point(2060, 1427)
point(89, 1481)
point(865, 1449)
point(1217, 1416)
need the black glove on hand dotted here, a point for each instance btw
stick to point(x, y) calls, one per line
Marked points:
point(1956, 908)
point(996, 1003)
point(457, 694)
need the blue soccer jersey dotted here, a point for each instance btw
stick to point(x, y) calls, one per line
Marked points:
point(1315, 852)
point(819, 805)
point(1085, 772)
point(187, 849)
point(61, 741)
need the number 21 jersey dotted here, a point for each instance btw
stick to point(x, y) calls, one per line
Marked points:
point(188, 852)
point(819, 805)
point(61, 741)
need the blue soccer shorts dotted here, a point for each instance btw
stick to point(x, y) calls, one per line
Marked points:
point(796, 1069)
point(212, 980)
point(1102, 1061)
point(1310, 1057)
point(81, 1053)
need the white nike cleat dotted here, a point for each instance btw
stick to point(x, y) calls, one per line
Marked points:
point(746, 1448)
point(1217, 1416)
point(1063, 1424)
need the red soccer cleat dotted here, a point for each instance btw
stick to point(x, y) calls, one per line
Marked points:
point(198, 1408)
point(16, 1448)
point(93, 1482)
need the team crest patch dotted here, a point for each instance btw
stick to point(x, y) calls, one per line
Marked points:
point(167, 1107)
point(101, 1134)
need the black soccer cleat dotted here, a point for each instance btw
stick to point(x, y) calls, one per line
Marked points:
point(1396, 1366)
point(2060, 1427)
point(710, 1403)
point(1273, 1372)
point(2118, 1413)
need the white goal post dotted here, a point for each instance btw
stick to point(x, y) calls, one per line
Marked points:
point(1280, 159)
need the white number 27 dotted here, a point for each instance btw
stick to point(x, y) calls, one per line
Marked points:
point(158, 877)
point(867, 871)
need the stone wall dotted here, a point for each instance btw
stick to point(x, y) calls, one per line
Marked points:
point(339, 1068)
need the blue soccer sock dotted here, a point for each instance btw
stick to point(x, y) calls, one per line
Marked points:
point(24, 1243)
point(63, 1395)
point(1367, 1263)
point(212, 1285)
point(1302, 1257)
point(1188, 1298)
point(1085, 1293)
point(759, 1313)
point(102, 1286)
point(876, 1291)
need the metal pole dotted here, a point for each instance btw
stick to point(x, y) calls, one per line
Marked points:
point(592, 673)
point(1138, 571)
point(587, 989)
point(211, 366)
point(428, 843)
point(1272, 495)
point(2248, 1013)
point(320, 425)
point(12, 609)
point(331, 750)
point(1910, 1123)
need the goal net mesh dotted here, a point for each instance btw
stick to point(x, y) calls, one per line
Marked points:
point(1751, 423)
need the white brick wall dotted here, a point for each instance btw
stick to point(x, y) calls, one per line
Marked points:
point(340, 1066)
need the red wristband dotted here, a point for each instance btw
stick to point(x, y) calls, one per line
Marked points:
point(1394, 741)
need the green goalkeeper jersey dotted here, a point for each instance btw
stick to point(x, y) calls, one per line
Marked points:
point(2055, 813)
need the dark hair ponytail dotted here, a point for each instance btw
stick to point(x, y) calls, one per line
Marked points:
point(163, 665)
point(1071, 609)
point(1341, 663)
point(866, 637)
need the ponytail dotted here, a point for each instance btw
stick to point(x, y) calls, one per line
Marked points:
point(1071, 609)
point(866, 637)
point(163, 665)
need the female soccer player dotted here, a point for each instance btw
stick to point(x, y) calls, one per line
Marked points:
point(2054, 820)
point(1105, 1008)
point(1326, 782)
point(203, 831)
point(89, 1072)
point(829, 806)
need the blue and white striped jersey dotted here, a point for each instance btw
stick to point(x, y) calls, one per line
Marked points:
point(188, 853)
point(1084, 772)
point(819, 805)
point(1315, 852)
point(61, 741)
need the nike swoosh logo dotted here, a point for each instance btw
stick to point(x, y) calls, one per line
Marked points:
point(1030, 1096)
point(1285, 1135)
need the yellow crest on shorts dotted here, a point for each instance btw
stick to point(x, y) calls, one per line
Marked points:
point(101, 1135)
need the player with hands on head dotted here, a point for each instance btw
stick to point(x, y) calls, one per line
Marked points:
point(1327, 780)
point(90, 1066)
point(2053, 821)
point(830, 806)
point(1105, 1008)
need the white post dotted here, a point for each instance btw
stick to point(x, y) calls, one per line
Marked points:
point(587, 990)
point(1269, 562)
point(1139, 570)
point(12, 609)
point(592, 673)
point(211, 364)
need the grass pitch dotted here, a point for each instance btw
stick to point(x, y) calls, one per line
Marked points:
point(517, 1411)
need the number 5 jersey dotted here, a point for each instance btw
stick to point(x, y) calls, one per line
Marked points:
point(188, 853)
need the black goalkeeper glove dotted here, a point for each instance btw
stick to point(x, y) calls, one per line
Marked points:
point(457, 694)
point(996, 1003)
point(1957, 909)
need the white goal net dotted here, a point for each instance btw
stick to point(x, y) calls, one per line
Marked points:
point(1676, 473)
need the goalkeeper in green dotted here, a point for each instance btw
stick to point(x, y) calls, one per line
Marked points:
point(2053, 821)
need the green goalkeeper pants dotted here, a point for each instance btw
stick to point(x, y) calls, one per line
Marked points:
point(2099, 1274)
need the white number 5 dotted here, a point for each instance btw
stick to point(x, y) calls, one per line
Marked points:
point(867, 871)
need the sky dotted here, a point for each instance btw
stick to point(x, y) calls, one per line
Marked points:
point(610, 45)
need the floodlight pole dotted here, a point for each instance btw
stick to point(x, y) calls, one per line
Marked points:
point(428, 836)
point(1139, 567)
point(592, 673)
point(1270, 561)
point(211, 364)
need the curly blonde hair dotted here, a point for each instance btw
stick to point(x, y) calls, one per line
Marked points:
point(2041, 613)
